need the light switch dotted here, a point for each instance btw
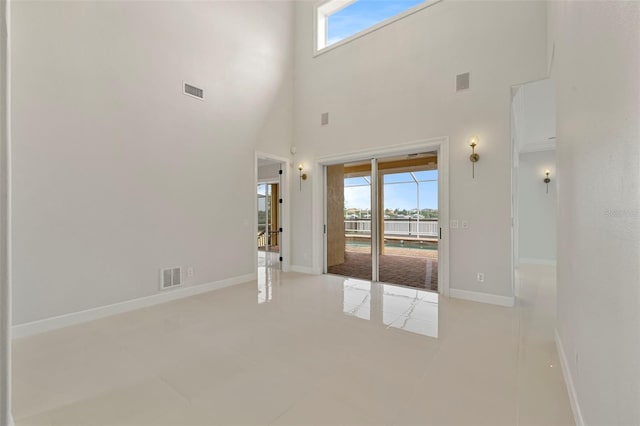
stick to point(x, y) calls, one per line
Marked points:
point(453, 224)
point(465, 224)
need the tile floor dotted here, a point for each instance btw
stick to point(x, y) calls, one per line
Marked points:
point(296, 349)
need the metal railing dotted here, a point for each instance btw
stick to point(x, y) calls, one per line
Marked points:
point(405, 227)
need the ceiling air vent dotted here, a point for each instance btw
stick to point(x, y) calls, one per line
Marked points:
point(194, 91)
point(462, 81)
point(170, 277)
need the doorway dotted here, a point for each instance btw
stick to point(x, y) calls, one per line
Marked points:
point(268, 217)
point(533, 191)
point(382, 219)
point(270, 214)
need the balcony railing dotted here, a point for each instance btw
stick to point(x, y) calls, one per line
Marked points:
point(404, 228)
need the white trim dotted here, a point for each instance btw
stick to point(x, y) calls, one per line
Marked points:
point(320, 22)
point(48, 324)
point(439, 144)
point(476, 296)
point(443, 218)
point(568, 380)
point(551, 60)
point(332, 6)
point(5, 215)
point(431, 144)
point(538, 147)
point(268, 180)
point(285, 194)
point(325, 220)
point(304, 270)
point(515, 111)
point(321, 25)
point(375, 203)
point(533, 261)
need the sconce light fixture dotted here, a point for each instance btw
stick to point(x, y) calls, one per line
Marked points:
point(474, 157)
point(547, 179)
point(303, 176)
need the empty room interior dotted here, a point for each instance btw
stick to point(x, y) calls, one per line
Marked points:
point(340, 212)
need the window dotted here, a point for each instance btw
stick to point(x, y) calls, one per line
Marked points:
point(342, 20)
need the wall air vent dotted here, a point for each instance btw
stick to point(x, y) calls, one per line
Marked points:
point(194, 91)
point(170, 277)
point(324, 118)
point(462, 81)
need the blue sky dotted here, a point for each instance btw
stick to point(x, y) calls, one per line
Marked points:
point(396, 196)
point(363, 14)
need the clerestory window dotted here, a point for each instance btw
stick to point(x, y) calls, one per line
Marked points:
point(338, 21)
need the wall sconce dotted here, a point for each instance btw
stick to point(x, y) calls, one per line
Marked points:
point(303, 176)
point(547, 179)
point(474, 157)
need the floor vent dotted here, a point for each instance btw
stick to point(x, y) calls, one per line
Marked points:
point(170, 277)
point(194, 91)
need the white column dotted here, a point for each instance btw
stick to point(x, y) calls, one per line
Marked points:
point(5, 217)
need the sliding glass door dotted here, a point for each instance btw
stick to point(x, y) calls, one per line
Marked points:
point(382, 220)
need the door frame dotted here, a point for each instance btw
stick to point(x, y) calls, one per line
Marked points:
point(285, 236)
point(516, 110)
point(439, 144)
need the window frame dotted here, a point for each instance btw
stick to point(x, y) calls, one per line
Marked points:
point(325, 8)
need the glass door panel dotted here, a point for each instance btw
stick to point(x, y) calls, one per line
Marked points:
point(409, 226)
point(349, 220)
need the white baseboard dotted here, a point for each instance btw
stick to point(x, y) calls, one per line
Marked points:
point(303, 269)
point(476, 296)
point(533, 261)
point(47, 324)
point(568, 380)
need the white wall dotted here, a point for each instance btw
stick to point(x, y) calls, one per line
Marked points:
point(117, 173)
point(268, 172)
point(396, 85)
point(535, 110)
point(537, 209)
point(597, 64)
point(539, 112)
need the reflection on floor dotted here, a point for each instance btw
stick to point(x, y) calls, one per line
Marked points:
point(411, 267)
point(272, 249)
point(313, 350)
point(268, 268)
point(398, 307)
point(270, 259)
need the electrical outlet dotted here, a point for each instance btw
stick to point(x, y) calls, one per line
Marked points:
point(190, 272)
point(480, 277)
point(465, 224)
point(453, 224)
